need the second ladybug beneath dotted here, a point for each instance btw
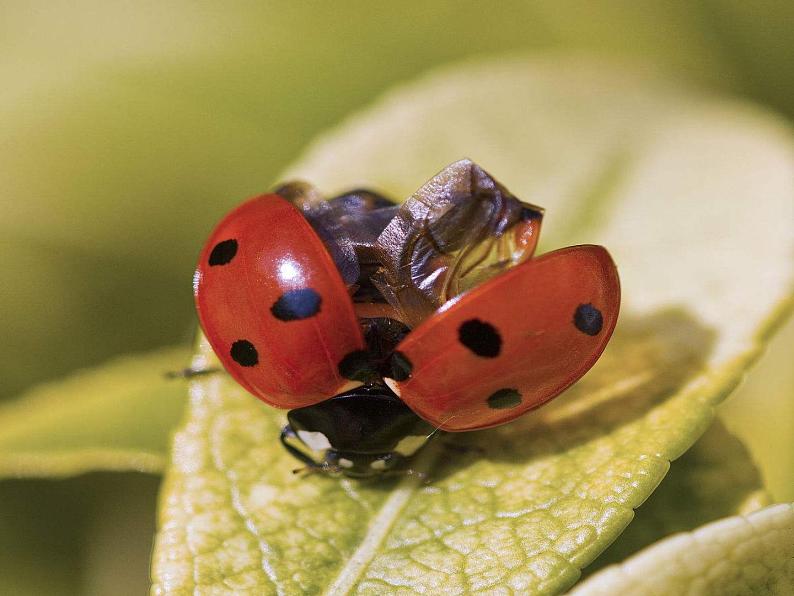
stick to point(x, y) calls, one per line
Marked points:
point(377, 324)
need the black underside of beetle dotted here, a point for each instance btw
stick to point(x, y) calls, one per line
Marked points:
point(364, 420)
point(362, 427)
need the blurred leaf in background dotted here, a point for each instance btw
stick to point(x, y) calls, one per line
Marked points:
point(118, 416)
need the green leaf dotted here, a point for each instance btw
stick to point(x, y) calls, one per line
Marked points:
point(118, 416)
point(715, 479)
point(665, 178)
point(751, 554)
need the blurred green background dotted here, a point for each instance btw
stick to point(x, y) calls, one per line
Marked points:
point(127, 129)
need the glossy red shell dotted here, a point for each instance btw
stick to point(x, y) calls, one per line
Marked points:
point(513, 343)
point(273, 305)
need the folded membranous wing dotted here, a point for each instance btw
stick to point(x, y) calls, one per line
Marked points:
point(458, 230)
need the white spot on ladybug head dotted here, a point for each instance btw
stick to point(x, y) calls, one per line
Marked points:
point(316, 441)
point(410, 445)
point(393, 385)
point(345, 463)
point(378, 464)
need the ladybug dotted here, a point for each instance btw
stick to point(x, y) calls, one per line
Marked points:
point(378, 324)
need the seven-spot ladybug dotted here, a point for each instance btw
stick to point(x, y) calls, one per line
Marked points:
point(378, 324)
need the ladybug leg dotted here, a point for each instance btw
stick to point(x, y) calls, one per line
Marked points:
point(311, 466)
point(324, 468)
point(286, 434)
point(317, 469)
point(189, 373)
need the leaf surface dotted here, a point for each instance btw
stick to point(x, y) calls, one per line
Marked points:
point(669, 181)
point(736, 555)
point(716, 478)
point(117, 416)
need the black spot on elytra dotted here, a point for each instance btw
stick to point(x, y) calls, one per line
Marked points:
point(504, 399)
point(223, 252)
point(401, 367)
point(244, 353)
point(295, 305)
point(357, 366)
point(588, 319)
point(481, 338)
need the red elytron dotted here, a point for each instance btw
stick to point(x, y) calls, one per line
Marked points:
point(533, 331)
point(273, 306)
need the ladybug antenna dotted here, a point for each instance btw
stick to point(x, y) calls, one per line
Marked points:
point(442, 423)
point(190, 373)
point(324, 468)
